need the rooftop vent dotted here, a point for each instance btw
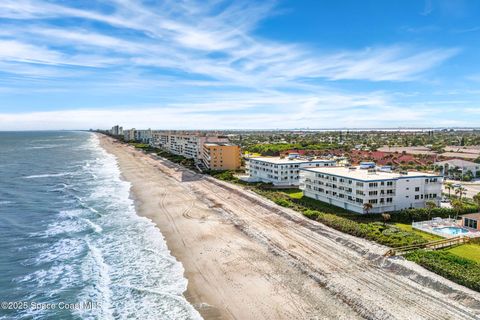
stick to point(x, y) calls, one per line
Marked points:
point(367, 165)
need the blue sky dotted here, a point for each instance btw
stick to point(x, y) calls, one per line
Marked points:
point(183, 64)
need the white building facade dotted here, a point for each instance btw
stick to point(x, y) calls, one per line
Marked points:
point(351, 188)
point(129, 135)
point(458, 167)
point(144, 136)
point(281, 171)
point(116, 131)
point(184, 144)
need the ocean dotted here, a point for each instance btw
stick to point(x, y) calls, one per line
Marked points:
point(71, 243)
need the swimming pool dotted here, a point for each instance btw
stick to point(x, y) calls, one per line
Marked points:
point(451, 230)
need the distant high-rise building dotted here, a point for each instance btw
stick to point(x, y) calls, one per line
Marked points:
point(115, 130)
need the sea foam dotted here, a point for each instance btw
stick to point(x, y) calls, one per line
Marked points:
point(96, 248)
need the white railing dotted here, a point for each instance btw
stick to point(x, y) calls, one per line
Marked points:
point(430, 225)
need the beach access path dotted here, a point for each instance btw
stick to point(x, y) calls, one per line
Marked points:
point(248, 258)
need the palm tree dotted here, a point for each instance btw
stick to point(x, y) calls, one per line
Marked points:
point(385, 217)
point(476, 198)
point(449, 187)
point(461, 191)
point(457, 192)
point(367, 207)
point(430, 204)
point(457, 205)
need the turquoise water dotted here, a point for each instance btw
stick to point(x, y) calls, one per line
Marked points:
point(451, 230)
point(69, 235)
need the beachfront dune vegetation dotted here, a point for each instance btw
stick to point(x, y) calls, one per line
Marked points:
point(458, 269)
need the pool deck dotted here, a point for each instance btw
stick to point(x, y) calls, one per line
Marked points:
point(438, 223)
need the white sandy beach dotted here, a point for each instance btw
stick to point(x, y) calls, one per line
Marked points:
point(247, 258)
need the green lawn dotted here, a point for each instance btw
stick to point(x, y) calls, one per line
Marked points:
point(252, 154)
point(294, 193)
point(426, 236)
point(467, 251)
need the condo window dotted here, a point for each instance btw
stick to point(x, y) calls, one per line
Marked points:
point(471, 223)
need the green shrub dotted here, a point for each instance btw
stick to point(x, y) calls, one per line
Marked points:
point(283, 202)
point(460, 270)
point(227, 175)
point(422, 214)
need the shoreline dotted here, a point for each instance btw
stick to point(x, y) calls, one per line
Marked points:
point(239, 267)
point(229, 275)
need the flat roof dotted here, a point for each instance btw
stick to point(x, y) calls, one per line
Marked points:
point(365, 175)
point(217, 144)
point(458, 163)
point(474, 216)
point(286, 160)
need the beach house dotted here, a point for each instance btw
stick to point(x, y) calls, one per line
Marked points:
point(471, 221)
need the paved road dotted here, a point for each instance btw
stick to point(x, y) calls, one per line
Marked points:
point(473, 187)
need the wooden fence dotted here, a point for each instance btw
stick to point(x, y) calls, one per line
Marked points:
point(433, 245)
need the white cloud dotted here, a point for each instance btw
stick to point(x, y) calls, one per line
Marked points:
point(269, 111)
point(188, 45)
point(183, 40)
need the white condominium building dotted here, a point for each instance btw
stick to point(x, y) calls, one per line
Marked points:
point(350, 188)
point(185, 144)
point(144, 136)
point(457, 167)
point(129, 135)
point(116, 131)
point(281, 171)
